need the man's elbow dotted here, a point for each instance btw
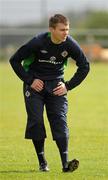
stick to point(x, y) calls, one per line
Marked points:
point(11, 60)
point(88, 67)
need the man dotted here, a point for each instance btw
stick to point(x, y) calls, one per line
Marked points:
point(42, 71)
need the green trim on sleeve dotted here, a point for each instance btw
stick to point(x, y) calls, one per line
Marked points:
point(65, 63)
point(27, 62)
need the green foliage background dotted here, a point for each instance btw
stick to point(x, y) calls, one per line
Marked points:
point(89, 19)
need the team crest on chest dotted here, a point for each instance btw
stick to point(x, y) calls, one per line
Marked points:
point(64, 53)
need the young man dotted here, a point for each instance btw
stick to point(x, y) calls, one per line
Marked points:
point(42, 71)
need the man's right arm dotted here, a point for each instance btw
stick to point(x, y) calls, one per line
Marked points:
point(16, 61)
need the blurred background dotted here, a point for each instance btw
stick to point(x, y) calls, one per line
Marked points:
point(20, 20)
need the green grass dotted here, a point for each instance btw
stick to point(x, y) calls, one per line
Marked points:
point(87, 121)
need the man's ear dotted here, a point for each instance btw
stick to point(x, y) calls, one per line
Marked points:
point(51, 29)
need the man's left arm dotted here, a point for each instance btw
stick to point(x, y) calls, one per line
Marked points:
point(82, 64)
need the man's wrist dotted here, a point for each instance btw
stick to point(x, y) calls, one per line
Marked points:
point(67, 85)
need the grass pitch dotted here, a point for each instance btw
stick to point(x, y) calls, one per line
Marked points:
point(87, 121)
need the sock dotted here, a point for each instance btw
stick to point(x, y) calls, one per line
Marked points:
point(39, 148)
point(62, 144)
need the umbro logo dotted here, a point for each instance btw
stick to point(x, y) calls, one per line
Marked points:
point(44, 51)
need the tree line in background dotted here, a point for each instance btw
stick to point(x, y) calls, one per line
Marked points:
point(87, 19)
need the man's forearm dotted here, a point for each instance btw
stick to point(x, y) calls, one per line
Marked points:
point(78, 77)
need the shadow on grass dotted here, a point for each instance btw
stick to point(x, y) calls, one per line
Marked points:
point(18, 171)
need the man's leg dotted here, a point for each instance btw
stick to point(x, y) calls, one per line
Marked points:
point(39, 148)
point(62, 144)
point(56, 107)
point(35, 128)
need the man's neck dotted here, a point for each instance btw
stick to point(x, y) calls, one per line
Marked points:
point(54, 40)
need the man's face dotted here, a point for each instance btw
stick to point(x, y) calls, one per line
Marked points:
point(60, 32)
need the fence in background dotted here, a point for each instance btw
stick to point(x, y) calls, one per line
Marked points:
point(12, 37)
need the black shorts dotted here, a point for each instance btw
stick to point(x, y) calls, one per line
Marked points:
point(56, 109)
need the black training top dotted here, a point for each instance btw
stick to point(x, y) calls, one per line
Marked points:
point(41, 58)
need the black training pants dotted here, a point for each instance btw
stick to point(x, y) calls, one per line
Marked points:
point(56, 109)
